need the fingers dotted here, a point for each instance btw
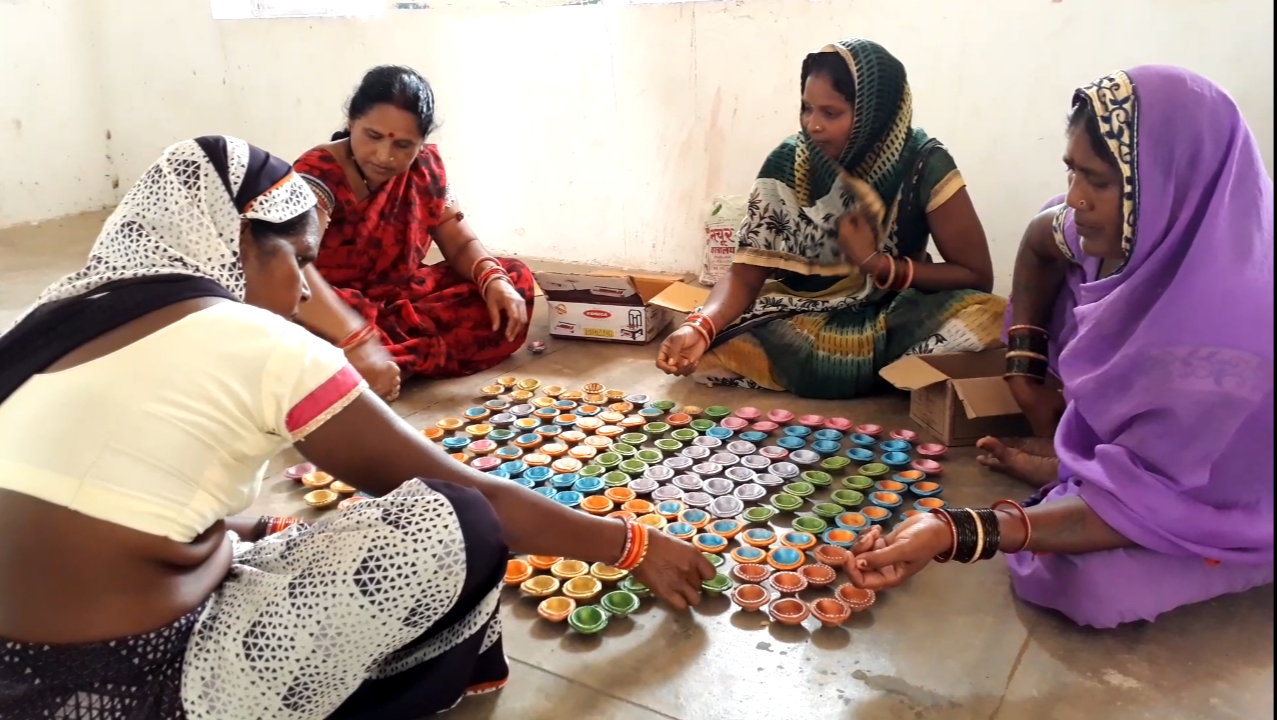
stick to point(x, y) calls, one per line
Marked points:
point(494, 313)
point(677, 600)
point(702, 571)
point(889, 555)
point(517, 319)
point(989, 444)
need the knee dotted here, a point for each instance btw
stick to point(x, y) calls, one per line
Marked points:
point(1084, 588)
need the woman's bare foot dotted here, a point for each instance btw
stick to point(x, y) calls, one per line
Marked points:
point(1031, 460)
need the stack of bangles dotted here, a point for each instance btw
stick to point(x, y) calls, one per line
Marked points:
point(358, 337)
point(976, 534)
point(701, 323)
point(1028, 352)
point(635, 546)
point(268, 525)
point(899, 273)
point(487, 270)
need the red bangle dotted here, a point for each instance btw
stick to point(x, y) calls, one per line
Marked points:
point(357, 337)
point(704, 333)
point(953, 537)
point(891, 278)
point(702, 318)
point(1024, 517)
point(908, 278)
point(635, 546)
point(474, 269)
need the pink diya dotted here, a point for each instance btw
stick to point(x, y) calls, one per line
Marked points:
point(838, 423)
point(484, 464)
point(906, 435)
point(811, 421)
point(297, 471)
point(930, 467)
point(870, 430)
point(748, 413)
point(765, 426)
point(734, 423)
point(927, 450)
point(780, 416)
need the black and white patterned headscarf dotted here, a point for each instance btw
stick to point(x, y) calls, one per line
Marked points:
point(183, 216)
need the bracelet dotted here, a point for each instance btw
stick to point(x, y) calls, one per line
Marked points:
point(908, 278)
point(483, 291)
point(891, 278)
point(1024, 518)
point(968, 531)
point(357, 337)
point(1028, 354)
point(991, 533)
point(1032, 367)
point(488, 274)
point(979, 537)
point(635, 545)
point(703, 319)
point(703, 332)
point(1028, 342)
point(869, 259)
point(953, 536)
point(278, 524)
point(474, 269)
point(1032, 329)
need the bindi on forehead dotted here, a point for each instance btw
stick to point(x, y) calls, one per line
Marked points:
point(391, 136)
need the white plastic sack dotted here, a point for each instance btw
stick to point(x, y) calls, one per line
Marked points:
point(725, 216)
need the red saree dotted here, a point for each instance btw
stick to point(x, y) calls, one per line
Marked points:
point(432, 321)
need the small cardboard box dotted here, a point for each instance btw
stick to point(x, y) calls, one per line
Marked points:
point(959, 397)
point(615, 307)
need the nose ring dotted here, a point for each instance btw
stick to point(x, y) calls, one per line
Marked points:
point(1081, 204)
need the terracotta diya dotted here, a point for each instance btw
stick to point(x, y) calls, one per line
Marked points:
point(830, 612)
point(556, 609)
point(788, 611)
point(752, 573)
point(750, 598)
point(818, 576)
point(832, 555)
point(857, 599)
point(516, 571)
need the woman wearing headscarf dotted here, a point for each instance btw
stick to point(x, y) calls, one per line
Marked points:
point(140, 400)
point(386, 199)
point(831, 279)
point(1163, 490)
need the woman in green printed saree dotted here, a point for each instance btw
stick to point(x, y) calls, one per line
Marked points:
point(832, 281)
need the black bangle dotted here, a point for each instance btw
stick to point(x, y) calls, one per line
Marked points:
point(992, 533)
point(260, 527)
point(968, 545)
point(1029, 366)
point(1028, 342)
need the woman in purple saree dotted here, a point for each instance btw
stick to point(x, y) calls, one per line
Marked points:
point(1149, 293)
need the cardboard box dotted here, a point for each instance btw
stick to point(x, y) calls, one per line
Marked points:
point(959, 397)
point(615, 307)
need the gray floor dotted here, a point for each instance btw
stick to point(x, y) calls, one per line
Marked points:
point(952, 644)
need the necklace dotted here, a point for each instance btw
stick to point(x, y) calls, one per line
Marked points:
point(351, 151)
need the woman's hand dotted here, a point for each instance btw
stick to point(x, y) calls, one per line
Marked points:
point(376, 366)
point(1042, 405)
point(879, 563)
point(857, 238)
point(506, 307)
point(682, 351)
point(674, 570)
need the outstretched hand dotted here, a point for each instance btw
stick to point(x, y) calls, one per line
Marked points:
point(507, 308)
point(674, 570)
point(881, 562)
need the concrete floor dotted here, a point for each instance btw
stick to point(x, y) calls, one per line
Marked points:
point(952, 644)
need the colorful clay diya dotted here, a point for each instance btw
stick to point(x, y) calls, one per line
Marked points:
point(890, 486)
point(897, 446)
point(597, 505)
point(669, 509)
point(564, 481)
point(749, 555)
point(521, 395)
point(874, 470)
point(718, 486)
point(717, 585)
point(527, 424)
point(540, 586)
point(556, 609)
point(784, 502)
point(434, 434)
point(798, 540)
point(582, 588)
point(645, 484)
point(750, 598)
point(566, 569)
point(800, 489)
point(517, 571)
point(847, 498)
point(787, 583)
point(485, 464)
point(632, 585)
point(830, 612)
point(780, 416)
point(869, 429)
point(616, 478)
point(351, 501)
point(791, 443)
point(859, 483)
point(908, 436)
point(863, 440)
point(649, 457)
point(876, 514)
point(610, 431)
point(477, 413)
point(716, 412)
point(758, 537)
point(928, 504)
point(766, 427)
point(491, 390)
point(759, 514)
point(818, 575)
point(632, 421)
point(856, 599)
point(713, 559)
point(786, 558)
point(619, 495)
point(598, 442)
point(751, 573)
point(588, 620)
point(719, 433)
point(322, 499)
point(668, 445)
point(710, 543)
point(817, 478)
point(680, 530)
point(726, 529)
point(701, 426)
point(456, 443)
point(592, 471)
point(655, 522)
point(317, 479)
point(853, 521)
point(538, 459)
point(620, 603)
point(543, 562)
point(568, 498)
point(734, 424)
point(753, 436)
point(908, 477)
point(774, 453)
point(934, 451)
point(926, 488)
point(825, 448)
point(929, 467)
point(798, 431)
point(834, 556)
point(684, 435)
point(838, 424)
point(808, 524)
point(666, 492)
point(749, 492)
point(860, 455)
point(587, 485)
point(895, 459)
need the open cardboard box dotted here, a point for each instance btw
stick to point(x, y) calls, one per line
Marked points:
point(618, 307)
point(959, 397)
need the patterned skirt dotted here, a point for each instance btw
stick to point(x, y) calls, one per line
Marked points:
point(836, 354)
point(385, 610)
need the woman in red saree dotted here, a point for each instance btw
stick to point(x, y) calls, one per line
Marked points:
point(386, 196)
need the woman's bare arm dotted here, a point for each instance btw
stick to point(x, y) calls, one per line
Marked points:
point(960, 239)
point(326, 315)
point(368, 446)
point(1066, 526)
point(1040, 270)
point(735, 293)
point(459, 244)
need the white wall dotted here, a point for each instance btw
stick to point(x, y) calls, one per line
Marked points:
point(53, 146)
point(598, 134)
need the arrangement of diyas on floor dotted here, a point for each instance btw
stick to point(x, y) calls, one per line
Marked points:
point(712, 476)
point(385, 197)
point(831, 280)
point(140, 400)
point(1159, 489)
